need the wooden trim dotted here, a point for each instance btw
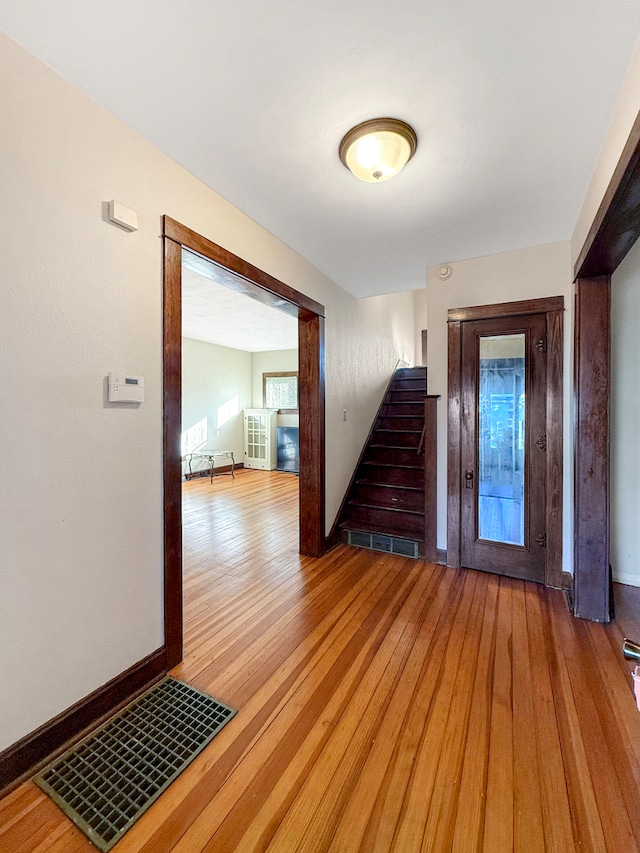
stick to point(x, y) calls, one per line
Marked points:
point(23, 758)
point(567, 580)
point(506, 309)
point(253, 276)
point(441, 557)
point(555, 428)
point(591, 454)
point(244, 277)
point(553, 307)
point(430, 448)
point(172, 391)
point(454, 438)
point(312, 433)
point(616, 225)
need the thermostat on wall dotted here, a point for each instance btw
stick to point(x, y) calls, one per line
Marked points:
point(126, 389)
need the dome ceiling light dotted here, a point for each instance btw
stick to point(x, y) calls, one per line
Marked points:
point(378, 149)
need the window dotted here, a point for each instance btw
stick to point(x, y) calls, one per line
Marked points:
point(280, 391)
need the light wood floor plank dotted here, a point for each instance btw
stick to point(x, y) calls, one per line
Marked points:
point(528, 829)
point(498, 819)
point(470, 816)
point(384, 704)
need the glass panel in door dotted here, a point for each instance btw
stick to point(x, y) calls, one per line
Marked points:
point(501, 438)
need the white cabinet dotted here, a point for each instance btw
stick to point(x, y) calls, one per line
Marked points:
point(260, 439)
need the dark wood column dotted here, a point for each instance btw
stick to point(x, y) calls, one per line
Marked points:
point(172, 371)
point(312, 426)
point(591, 477)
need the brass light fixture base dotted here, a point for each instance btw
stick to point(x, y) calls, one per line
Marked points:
point(384, 128)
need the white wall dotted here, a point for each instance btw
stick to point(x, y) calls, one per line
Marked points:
point(213, 376)
point(625, 417)
point(81, 580)
point(524, 274)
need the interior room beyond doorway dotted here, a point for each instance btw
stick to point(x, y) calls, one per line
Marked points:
point(239, 379)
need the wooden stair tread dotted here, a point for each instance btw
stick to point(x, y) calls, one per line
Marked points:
point(386, 495)
point(403, 431)
point(383, 485)
point(401, 465)
point(363, 504)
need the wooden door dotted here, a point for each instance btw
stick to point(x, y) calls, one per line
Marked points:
point(503, 446)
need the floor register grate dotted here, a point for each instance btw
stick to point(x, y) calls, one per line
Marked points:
point(109, 779)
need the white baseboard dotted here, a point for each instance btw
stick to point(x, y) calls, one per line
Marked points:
point(628, 579)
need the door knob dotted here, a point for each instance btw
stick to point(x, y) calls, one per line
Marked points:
point(468, 479)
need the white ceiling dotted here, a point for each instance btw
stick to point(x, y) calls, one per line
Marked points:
point(510, 99)
point(215, 313)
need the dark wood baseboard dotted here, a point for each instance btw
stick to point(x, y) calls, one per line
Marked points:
point(441, 557)
point(206, 472)
point(333, 539)
point(25, 757)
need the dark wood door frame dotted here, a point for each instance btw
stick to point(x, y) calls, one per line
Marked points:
point(246, 278)
point(553, 307)
point(614, 230)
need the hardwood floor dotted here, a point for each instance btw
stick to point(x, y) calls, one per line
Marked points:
point(384, 704)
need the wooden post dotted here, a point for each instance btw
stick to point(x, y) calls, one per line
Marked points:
point(591, 475)
point(430, 448)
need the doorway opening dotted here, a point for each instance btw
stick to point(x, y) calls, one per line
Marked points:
point(505, 439)
point(242, 277)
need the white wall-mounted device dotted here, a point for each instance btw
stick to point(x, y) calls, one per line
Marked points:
point(123, 216)
point(126, 389)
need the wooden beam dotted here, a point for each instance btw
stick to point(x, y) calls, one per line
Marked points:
point(431, 478)
point(454, 438)
point(312, 429)
point(240, 275)
point(616, 225)
point(591, 453)
point(172, 372)
point(506, 309)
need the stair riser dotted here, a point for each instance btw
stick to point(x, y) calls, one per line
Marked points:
point(410, 373)
point(415, 424)
point(396, 439)
point(392, 498)
point(418, 385)
point(414, 409)
point(407, 397)
point(391, 456)
point(384, 521)
point(375, 474)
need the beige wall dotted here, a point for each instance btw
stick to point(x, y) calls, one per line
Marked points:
point(420, 320)
point(525, 274)
point(625, 417)
point(81, 501)
point(213, 376)
point(625, 113)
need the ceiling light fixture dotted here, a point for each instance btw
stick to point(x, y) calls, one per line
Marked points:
point(377, 149)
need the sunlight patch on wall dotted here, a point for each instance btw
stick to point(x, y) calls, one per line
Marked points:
point(228, 410)
point(194, 437)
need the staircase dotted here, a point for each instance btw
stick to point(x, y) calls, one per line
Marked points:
point(385, 505)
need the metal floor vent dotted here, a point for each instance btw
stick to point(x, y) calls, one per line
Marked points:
point(109, 779)
point(381, 542)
